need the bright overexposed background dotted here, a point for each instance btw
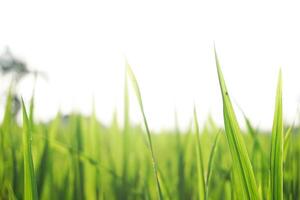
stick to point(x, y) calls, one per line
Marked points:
point(169, 44)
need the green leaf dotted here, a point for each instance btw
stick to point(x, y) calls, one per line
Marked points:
point(287, 142)
point(242, 165)
point(139, 98)
point(276, 163)
point(200, 165)
point(211, 163)
point(30, 188)
point(126, 141)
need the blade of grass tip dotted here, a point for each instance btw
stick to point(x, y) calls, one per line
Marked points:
point(30, 188)
point(238, 150)
point(210, 163)
point(276, 164)
point(200, 165)
point(139, 97)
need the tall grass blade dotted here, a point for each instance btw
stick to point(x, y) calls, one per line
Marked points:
point(241, 161)
point(7, 126)
point(276, 162)
point(200, 165)
point(180, 161)
point(287, 142)
point(30, 188)
point(139, 98)
point(210, 163)
point(126, 141)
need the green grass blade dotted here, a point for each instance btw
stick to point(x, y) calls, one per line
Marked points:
point(210, 164)
point(163, 185)
point(126, 141)
point(8, 137)
point(287, 142)
point(139, 98)
point(243, 167)
point(276, 162)
point(30, 189)
point(200, 165)
point(31, 112)
point(79, 174)
point(43, 167)
point(181, 183)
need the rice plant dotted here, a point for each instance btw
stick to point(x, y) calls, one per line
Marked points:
point(78, 157)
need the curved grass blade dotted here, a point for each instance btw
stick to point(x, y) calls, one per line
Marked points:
point(241, 161)
point(210, 163)
point(276, 162)
point(139, 98)
point(30, 188)
point(200, 165)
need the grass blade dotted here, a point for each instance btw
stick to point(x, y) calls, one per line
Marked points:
point(276, 163)
point(30, 189)
point(139, 97)
point(7, 126)
point(210, 163)
point(241, 161)
point(287, 142)
point(126, 141)
point(200, 165)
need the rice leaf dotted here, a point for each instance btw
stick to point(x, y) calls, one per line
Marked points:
point(126, 141)
point(241, 161)
point(276, 162)
point(139, 98)
point(30, 188)
point(200, 165)
point(164, 186)
point(43, 166)
point(287, 142)
point(210, 163)
point(181, 183)
point(7, 126)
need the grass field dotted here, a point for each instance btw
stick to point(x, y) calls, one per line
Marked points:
point(77, 157)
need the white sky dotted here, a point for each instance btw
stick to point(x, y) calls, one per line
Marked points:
point(169, 44)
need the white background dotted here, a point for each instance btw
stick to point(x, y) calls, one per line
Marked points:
point(169, 44)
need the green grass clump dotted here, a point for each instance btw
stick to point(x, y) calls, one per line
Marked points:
point(77, 157)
